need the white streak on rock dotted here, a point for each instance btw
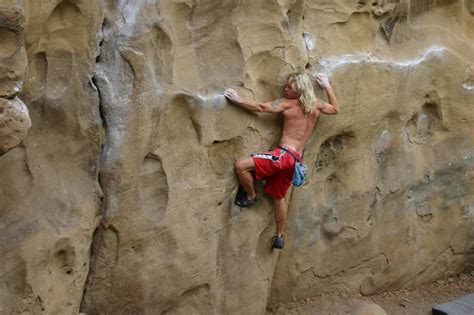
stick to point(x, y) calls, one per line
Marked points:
point(309, 41)
point(131, 12)
point(469, 212)
point(383, 142)
point(468, 86)
point(17, 88)
point(385, 135)
point(216, 99)
point(332, 64)
point(422, 117)
point(203, 98)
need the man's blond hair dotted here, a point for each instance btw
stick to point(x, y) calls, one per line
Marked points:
point(301, 83)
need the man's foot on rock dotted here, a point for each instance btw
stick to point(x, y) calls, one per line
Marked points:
point(278, 242)
point(246, 202)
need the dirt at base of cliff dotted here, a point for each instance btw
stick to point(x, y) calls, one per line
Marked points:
point(415, 300)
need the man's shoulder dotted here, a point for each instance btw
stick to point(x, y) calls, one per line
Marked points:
point(284, 103)
point(289, 102)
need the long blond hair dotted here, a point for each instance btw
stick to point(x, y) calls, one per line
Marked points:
point(301, 83)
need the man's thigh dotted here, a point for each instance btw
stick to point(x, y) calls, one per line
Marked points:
point(246, 164)
point(265, 165)
point(277, 186)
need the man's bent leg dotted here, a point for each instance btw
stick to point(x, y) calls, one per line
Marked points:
point(243, 169)
point(280, 215)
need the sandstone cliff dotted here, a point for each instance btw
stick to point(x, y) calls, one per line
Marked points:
point(119, 199)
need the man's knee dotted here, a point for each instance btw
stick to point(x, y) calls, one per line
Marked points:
point(280, 203)
point(242, 165)
point(238, 166)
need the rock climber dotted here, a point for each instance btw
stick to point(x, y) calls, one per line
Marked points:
point(300, 109)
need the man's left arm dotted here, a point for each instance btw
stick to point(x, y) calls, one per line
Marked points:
point(332, 107)
point(276, 106)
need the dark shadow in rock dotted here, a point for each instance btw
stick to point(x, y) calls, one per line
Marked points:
point(330, 223)
point(388, 25)
point(423, 125)
point(100, 279)
point(222, 155)
point(331, 187)
point(469, 6)
point(448, 186)
point(37, 72)
point(329, 148)
point(164, 55)
point(153, 187)
point(64, 257)
point(64, 16)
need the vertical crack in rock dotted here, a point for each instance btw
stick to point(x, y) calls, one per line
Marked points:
point(97, 236)
point(118, 68)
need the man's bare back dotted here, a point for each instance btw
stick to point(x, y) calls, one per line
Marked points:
point(297, 126)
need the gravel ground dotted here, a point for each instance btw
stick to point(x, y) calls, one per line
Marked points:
point(411, 301)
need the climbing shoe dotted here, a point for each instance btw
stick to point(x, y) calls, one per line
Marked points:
point(246, 202)
point(278, 242)
point(241, 198)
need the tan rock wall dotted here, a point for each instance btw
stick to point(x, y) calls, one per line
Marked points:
point(130, 129)
point(50, 197)
point(14, 118)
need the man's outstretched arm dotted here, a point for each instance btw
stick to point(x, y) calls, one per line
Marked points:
point(254, 106)
point(332, 107)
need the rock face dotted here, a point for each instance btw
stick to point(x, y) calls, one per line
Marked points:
point(50, 194)
point(14, 123)
point(120, 199)
point(14, 118)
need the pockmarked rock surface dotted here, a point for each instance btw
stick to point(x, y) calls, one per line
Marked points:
point(120, 198)
point(49, 192)
point(14, 123)
point(14, 117)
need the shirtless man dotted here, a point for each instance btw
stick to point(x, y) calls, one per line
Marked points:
point(300, 109)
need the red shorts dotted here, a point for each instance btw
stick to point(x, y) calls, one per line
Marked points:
point(277, 167)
